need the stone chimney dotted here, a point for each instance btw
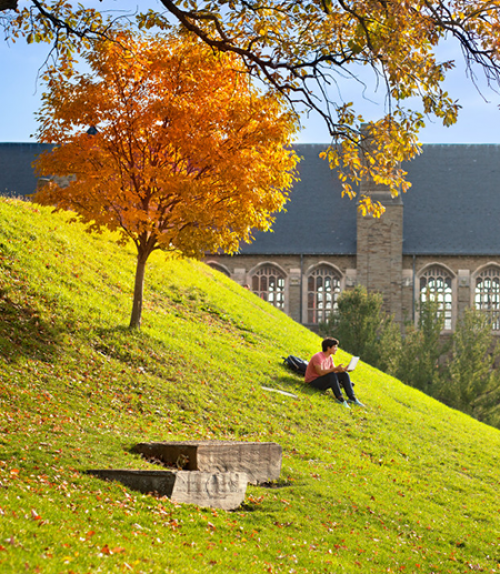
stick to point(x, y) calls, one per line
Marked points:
point(379, 250)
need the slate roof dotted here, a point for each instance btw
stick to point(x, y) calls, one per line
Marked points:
point(452, 208)
point(17, 177)
point(317, 218)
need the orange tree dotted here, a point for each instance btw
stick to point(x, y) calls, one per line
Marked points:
point(184, 154)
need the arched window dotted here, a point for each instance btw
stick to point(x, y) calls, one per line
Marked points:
point(268, 282)
point(487, 295)
point(323, 288)
point(218, 267)
point(436, 284)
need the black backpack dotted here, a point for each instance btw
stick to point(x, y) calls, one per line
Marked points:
point(297, 365)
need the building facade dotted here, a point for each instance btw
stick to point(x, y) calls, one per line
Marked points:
point(442, 237)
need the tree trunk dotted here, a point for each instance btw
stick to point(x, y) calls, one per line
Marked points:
point(135, 319)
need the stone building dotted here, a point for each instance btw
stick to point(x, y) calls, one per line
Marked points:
point(442, 236)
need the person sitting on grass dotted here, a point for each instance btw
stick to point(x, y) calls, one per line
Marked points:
point(322, 374)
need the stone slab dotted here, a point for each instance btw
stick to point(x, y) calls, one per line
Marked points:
point(215, 490)
point(261, 461)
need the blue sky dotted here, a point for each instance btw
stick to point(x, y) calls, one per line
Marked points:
point(479, 121)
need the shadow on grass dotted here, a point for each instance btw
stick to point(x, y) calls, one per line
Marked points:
point(126, 345)
point(247, 507)
point(293, 383)
point(24, 334)
point(116, 342)
point(280, 483)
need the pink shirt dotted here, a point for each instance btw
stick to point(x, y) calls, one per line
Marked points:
point(323, 360)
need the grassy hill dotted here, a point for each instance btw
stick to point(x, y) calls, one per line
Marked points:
point(406, 485)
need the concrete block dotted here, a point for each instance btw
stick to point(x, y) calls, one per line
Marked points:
point(215, 490)
point(260, 461)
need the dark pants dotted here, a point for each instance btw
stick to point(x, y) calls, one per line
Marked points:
point(333, 381)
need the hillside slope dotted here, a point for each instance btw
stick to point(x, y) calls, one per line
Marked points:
point(404, 485)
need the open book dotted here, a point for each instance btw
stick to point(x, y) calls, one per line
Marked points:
point(352, 364)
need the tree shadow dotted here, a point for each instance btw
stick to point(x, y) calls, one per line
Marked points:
point(122, 344)
point(23, 333)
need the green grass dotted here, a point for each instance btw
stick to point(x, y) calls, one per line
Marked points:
point(406, 485)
